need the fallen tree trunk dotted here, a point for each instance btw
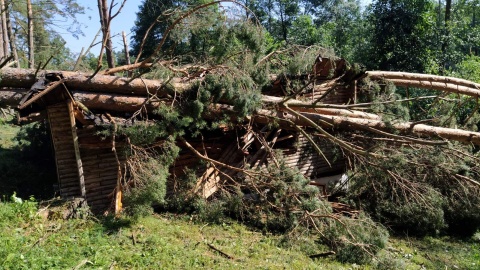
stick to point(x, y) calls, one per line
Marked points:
point(109, 93)
point(287, 120)
point(114, 102)
point(327, 121)
point(25, 78)
point(447, 87)
point(130, 104)
point(11, 97)
point(396, 75)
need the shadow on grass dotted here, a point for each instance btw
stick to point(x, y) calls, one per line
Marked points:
point(113, 224)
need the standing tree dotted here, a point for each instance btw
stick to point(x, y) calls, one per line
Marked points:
point(44, 26)
point(153, 19)
point(340, 24)
point(402, 36)
point(5, 42)
point(31, 55)
point(10, 34)
point(106, 18)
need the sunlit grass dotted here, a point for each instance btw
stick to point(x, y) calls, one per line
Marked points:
point(175, 242)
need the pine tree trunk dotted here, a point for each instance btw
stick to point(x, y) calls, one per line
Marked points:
point(107, 40)
point(31, 58)
point(25, 78)
point(348, 123)
point(10, 34)
point(425, 81)
point(2, 36)
point(11, 97)
point(127, 54)
point(5, 41)
point(115, 94)
point(446, 38)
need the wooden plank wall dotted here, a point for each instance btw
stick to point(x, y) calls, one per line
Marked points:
point(310, 163)
point(341, 94)
point(100, 169)
point(63, 143)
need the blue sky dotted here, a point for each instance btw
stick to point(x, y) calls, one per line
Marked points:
point(91, 24)
point(123, 22)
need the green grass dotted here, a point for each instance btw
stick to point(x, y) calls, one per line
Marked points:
point(155, 242)
point(175, 242)
point(437, 253)
point(7, 133)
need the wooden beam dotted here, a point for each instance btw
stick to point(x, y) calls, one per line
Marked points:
point(81, 177)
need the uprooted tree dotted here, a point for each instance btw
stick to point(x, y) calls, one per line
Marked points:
point(411, 152)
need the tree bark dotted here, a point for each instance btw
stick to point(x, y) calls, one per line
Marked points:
point(31, 58)
point(5, 41)
point(11, 97)
point(285, 119)
point(11, 36)
point(447, 87)
point(388, 75)
point(25, 78)
point(107, 40)
point(2, 36)
point(109, 93)
point(127, 54)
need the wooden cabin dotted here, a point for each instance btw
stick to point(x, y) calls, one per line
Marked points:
point(88, 168)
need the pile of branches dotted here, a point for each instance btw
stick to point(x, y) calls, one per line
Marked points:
point(374, 133)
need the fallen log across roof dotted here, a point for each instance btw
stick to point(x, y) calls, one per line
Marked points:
point(124, 95)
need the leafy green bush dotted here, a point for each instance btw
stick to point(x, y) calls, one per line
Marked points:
point(18, 210)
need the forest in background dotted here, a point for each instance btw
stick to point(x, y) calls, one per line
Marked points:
point(436, 37)
point(414, 36)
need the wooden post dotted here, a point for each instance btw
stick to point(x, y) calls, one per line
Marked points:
point(81, 177)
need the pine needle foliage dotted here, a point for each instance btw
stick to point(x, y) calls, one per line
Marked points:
point(146, 183)
point(280, 200)
point(420, 190)
point(355, 240)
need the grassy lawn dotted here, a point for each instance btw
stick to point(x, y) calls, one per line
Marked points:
point(155, 242)
point(7, 133)
point(436, 253)
point(175, 242)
